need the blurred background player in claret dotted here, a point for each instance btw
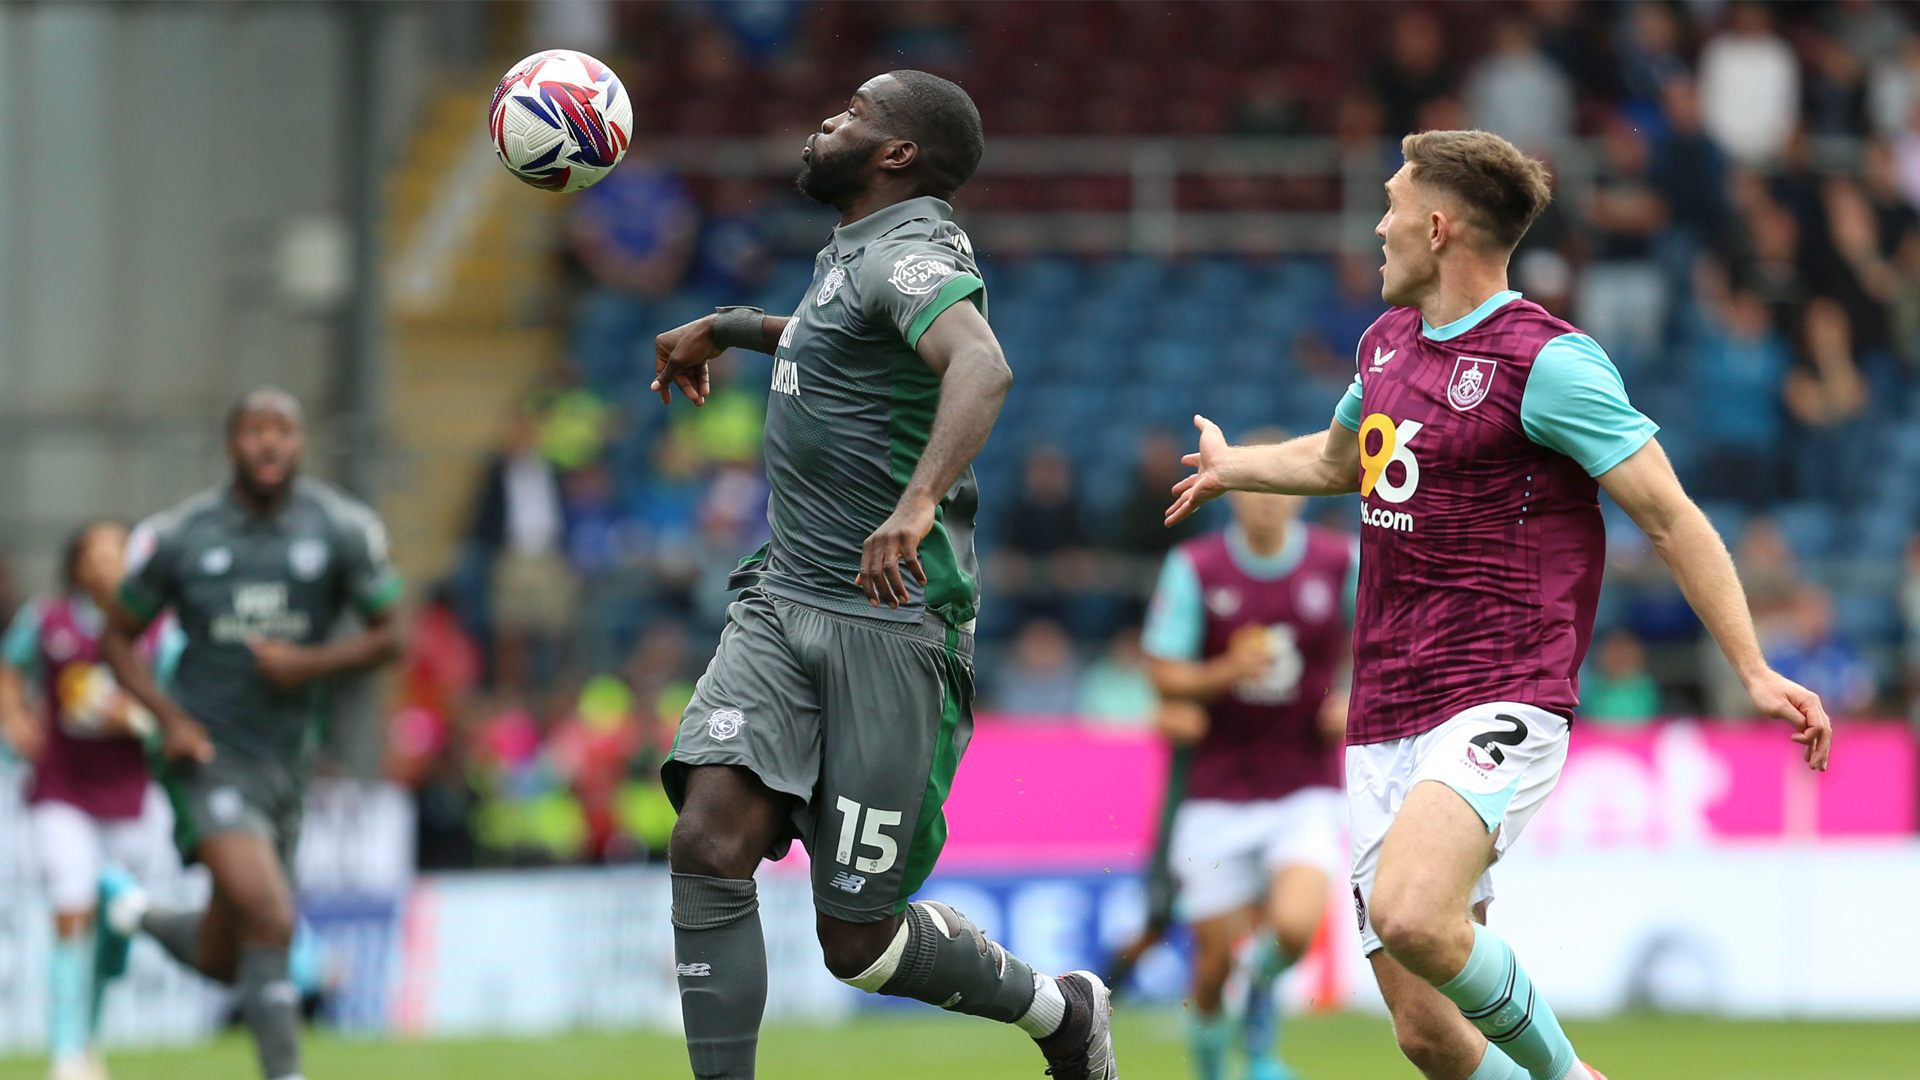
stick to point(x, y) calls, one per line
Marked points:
point(1173, 214)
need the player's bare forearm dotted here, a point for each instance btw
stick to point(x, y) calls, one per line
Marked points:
point(1322, 464)
point(289, 665)
point(1645, 487)
point(680, 355)
point(181, 735)
point(1198, 682)
point(19, 727)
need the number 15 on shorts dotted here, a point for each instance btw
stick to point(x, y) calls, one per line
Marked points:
point(870, 837)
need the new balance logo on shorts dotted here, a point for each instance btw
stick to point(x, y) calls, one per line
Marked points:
point(845, 882)
point(693, 971)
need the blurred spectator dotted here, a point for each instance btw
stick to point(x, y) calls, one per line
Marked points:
point(1872, 30)
point(1268, 104)
point(1910, 625)
point(1806, 648)
point(1623, 294)
point(1415, 70)
point(1825, 390)
point(1893, 90)
point(1040, 676)
point(1620, 691)
point(519, 525)
point(1044, 548)
point(1836, 103)
point(735, 251)
point(1738, 363)
point(1750, 86)
point(1649, 45)
point(1140, 526)
point(1517, 92)
point(1117, 692)
point(1768, 571)
point(1688, 167)
point(634, 232)
point(1897, 227)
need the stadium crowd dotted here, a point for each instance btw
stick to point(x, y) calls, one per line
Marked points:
point(1745, 244)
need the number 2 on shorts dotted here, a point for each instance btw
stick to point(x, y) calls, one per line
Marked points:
point(871, 837)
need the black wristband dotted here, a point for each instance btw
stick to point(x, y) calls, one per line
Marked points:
point(739, 328)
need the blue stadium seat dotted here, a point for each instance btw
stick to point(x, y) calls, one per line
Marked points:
point(1808, 527)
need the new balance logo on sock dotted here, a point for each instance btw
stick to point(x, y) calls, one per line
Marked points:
point(850, 883)
point(693, 971)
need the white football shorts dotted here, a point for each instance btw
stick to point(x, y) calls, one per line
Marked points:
point(73, 846)
point(1223, 853)
point(1504, 758)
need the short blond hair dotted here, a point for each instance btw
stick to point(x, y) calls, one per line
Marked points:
point(1502, 189)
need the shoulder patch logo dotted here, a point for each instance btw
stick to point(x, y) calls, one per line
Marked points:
point(835, 278)
point(307, 558)
point(1472, 381)
point(216, 561)
point(724, 724)
point(918, 275)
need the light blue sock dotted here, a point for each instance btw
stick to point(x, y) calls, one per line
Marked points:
point(1207, 1038)
point(69, 971)
point(1495, 993)
point(1498, 1066)
point(1260, 1024)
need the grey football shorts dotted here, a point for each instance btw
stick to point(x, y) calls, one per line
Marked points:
point(862, 721)
point(230, 794)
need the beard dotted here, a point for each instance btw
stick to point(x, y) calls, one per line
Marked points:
point(835, 178)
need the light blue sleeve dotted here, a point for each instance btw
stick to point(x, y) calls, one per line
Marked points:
point(166, 653)
point(1351, 589)
point(21, 647)
point(1176, 619)
point(1576, 404)
point(1348, 411)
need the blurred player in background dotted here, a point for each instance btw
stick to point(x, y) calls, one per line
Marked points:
point(90, 802)
point(257, 572)
point(1478, 431)
point(1169, 716)
point(1252, 623)
point(840, 699)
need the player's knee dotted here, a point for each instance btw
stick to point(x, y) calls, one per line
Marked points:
point(1404, 925)
point(267, 920)
point(1421, 1042)
point(1295, 937)
point(702, 845)
point(852, 949)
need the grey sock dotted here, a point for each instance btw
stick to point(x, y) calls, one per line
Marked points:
point(721, 961)
point(178, 932)
point(948, 962)
point(270, 1005)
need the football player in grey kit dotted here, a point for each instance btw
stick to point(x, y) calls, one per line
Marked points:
point(256, 571)
point(839, 702)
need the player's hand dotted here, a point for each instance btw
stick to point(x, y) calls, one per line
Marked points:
point(183, 739)
point(1247, 655)
point(281, 663)
point(897, 540)
point(1206, 483)
point(680, 359)
point(1778, 696)
point(25, 737)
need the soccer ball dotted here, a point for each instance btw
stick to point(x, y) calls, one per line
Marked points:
point(560, 120)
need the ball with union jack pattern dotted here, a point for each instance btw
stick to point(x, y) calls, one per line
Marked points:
point(560, 120)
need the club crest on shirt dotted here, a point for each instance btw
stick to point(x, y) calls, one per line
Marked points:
point(1223, 602)
point(724, 724)
point(1314, 598)
point(918, 275)
point(307, 558)
point(1472, 380)
point(835, 278)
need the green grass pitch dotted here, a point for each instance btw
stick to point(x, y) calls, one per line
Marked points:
point(936, 1047)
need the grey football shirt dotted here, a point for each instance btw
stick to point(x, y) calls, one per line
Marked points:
point(231, 576)
point(850, 411)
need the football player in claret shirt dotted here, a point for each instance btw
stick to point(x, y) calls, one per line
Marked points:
point(1251, 623)
point(840, 700)
point(1478, 432)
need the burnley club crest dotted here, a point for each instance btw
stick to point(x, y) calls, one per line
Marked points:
point(1472, 378)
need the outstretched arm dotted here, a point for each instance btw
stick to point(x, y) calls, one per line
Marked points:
point(974, 379)
point(1645, 487)
point(1324, 464)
